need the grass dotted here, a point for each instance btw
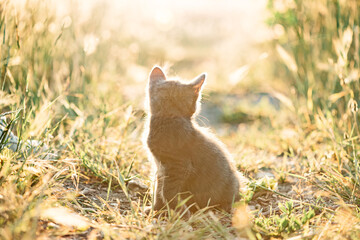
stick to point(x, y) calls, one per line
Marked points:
point(75, 82)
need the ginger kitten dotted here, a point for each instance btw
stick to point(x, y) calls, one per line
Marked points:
point(189, 160)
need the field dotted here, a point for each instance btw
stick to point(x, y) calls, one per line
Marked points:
point(282, 93)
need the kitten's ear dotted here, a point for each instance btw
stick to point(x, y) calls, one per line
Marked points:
point(198, 82)
point(157, 74)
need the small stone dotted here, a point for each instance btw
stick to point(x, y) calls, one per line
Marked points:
point(136, 186)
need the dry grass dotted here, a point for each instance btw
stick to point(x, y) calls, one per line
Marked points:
point(74, 80)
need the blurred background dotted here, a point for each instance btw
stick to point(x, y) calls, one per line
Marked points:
point(100, 52)
point(117, 42)
point(282, 93)
point(89, 58)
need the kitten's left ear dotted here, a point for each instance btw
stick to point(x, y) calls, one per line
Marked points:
point(156, 75)
point(198, 82)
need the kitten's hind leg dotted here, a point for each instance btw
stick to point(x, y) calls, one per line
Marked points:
point(173, 192)
point(167, 191)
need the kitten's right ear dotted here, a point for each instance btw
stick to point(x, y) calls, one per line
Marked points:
point(198, 82)
point(157, 74)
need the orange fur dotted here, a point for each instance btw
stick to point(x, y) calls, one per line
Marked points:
point(190, 161)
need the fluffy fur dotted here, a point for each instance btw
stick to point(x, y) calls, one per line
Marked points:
point(190, 161)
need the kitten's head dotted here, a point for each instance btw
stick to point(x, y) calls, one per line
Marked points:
point(173, 98)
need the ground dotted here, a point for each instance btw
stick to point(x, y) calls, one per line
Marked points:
point(281, 93)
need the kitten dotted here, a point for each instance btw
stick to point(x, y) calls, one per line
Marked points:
point(190, 161)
